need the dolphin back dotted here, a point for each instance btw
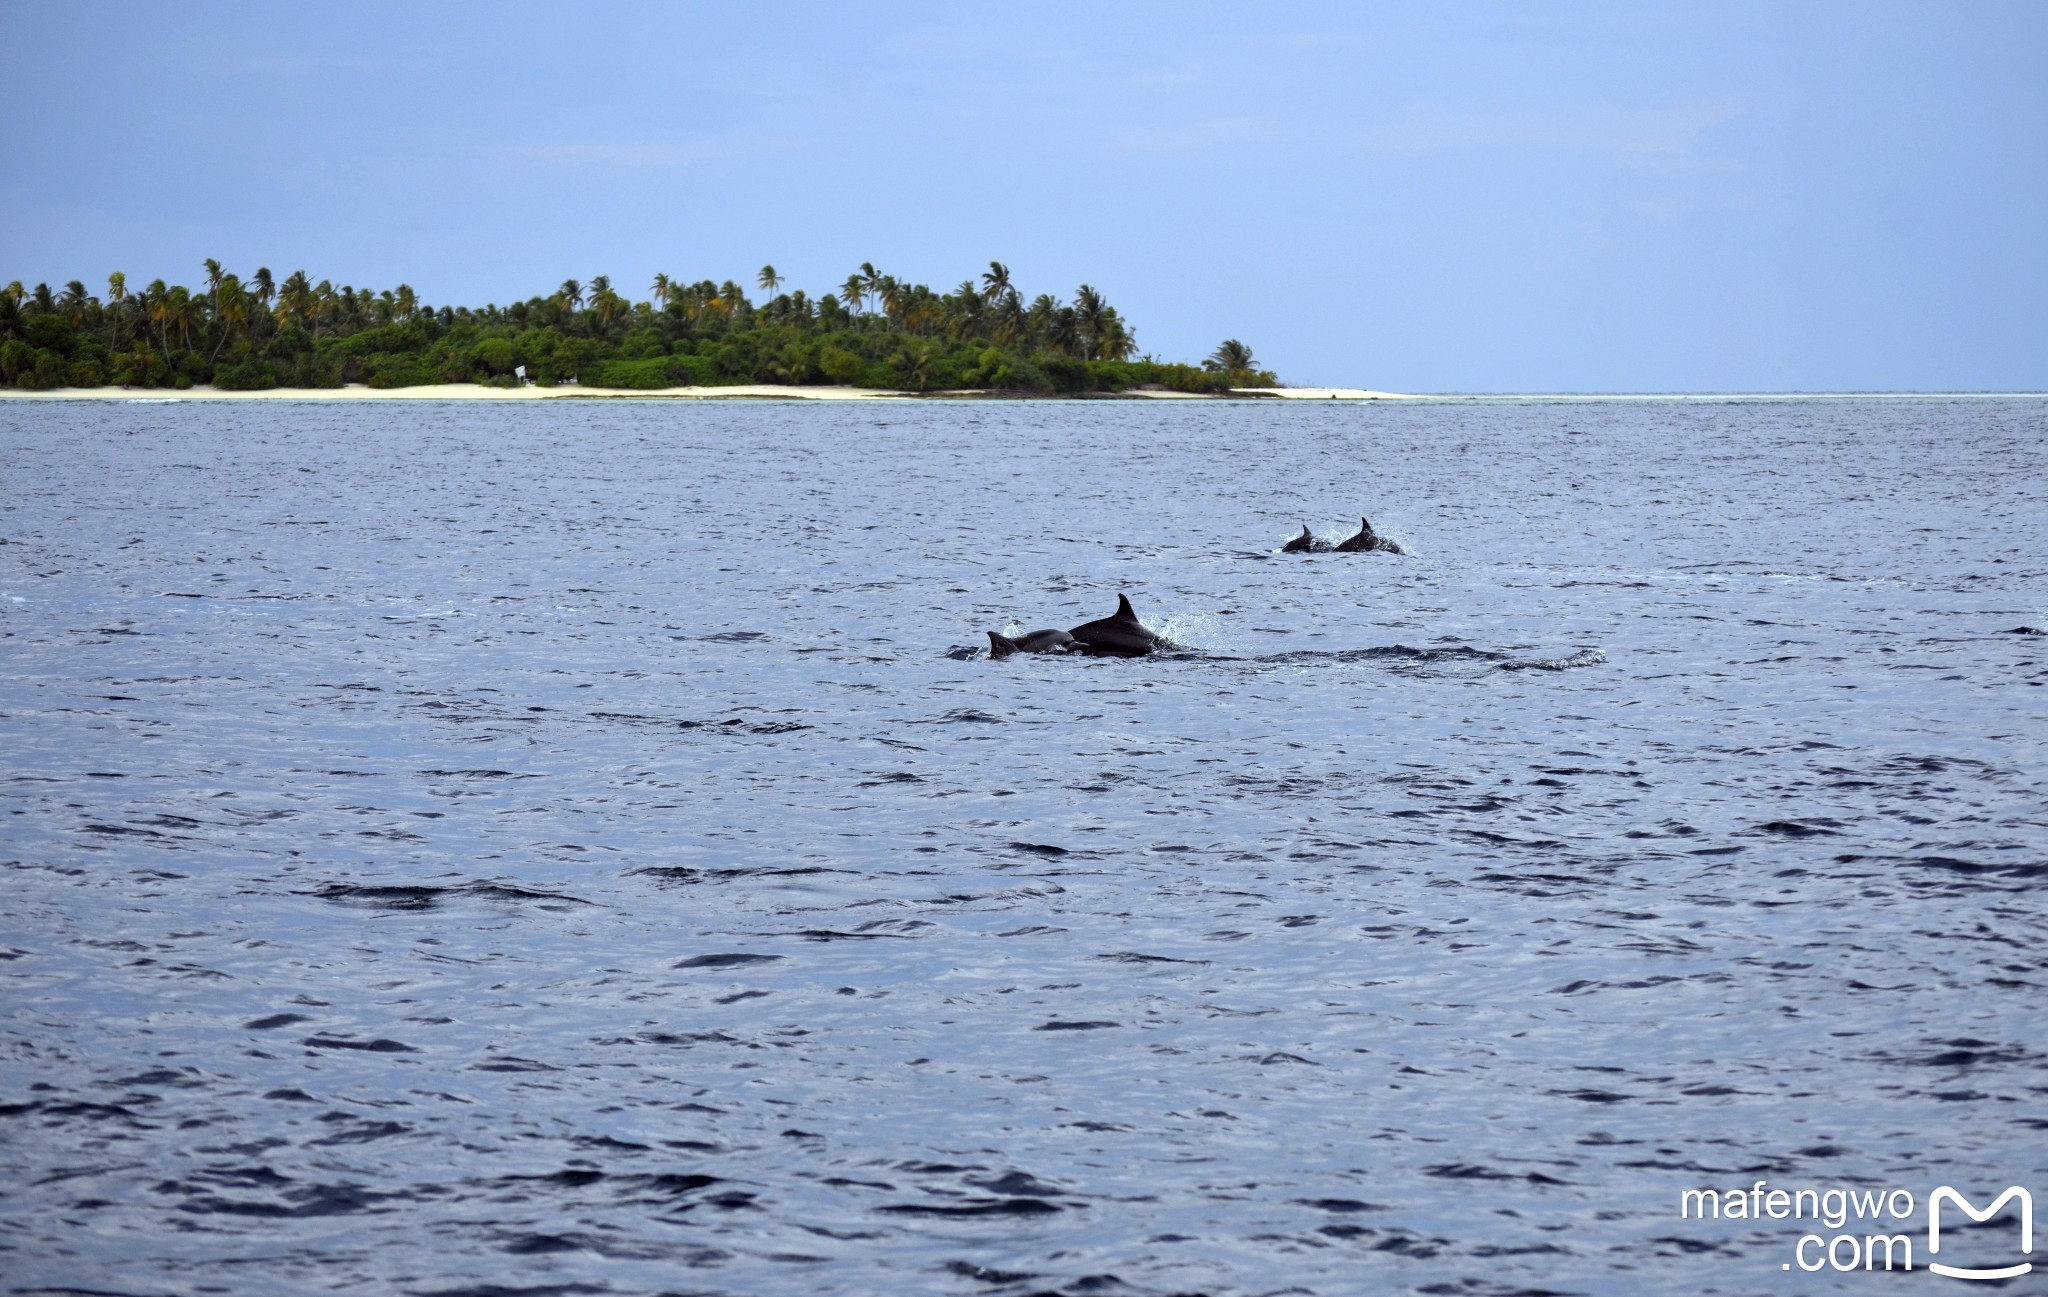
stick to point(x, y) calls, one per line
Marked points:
point(1050, 640)
point(1119, 635)
point(1364, 540)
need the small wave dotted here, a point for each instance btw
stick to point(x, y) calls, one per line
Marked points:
point(961, 716)
point(892, 777)
point(381, 1045)
point(473, 774)
point(738, 724)
point(421, 896)
point(1195, 631)
point(981, 1207)
point(1385, 652)
point(1591, 657)
point(694, 874)
point(725, 960)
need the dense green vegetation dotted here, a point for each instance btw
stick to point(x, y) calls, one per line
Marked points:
point(875, 331)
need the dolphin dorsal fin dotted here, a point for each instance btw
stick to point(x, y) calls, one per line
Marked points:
point(1124, 609)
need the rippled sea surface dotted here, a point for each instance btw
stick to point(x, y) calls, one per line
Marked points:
point(567, 848)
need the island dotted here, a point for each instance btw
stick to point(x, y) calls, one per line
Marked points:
point(875, 334)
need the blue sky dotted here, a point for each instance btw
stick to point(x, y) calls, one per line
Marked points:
point(1419, 197)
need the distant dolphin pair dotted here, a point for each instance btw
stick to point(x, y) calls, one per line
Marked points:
point(1366, 541)
point(1118, 635)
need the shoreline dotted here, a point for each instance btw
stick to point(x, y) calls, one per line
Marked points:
point(773, 392)
point(736, 392)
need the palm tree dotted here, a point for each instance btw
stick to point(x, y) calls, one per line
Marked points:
point(1044, 309)
point(117, 299)
point(731, 297)
point(1011, 322)
point(963, 314)
point(1231, 355)
point(769, 281)
point(790, 364)
point(141, 362)
point(152, 308)
point(1112, 340)
point(853, 291)
point(570, 294)
point(213, 278)
point(995, 284)
point(915, 360)
point(1092, 310)
point(407, 302)
point(74, 304)
point(262, 286)
point(142, 307)
point(1063, 332)
point(294, 298)
point(231, 310)
point(351, 308)
point(174, 310)
point(660, 289)
point(323, 304)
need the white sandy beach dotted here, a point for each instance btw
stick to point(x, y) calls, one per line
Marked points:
point(767, 391)
point(472, 392)
point(451, 392)
point(1329, 394)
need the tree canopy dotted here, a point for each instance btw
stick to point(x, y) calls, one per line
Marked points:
point(874, 330)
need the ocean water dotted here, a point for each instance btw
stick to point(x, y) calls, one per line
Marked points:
point(575, 848)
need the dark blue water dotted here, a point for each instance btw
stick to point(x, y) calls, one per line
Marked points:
point(463, 849)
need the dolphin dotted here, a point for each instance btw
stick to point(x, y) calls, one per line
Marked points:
point(1304, 543)
point(1119, 635)
point(1367, 540)
point(1038, 641)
